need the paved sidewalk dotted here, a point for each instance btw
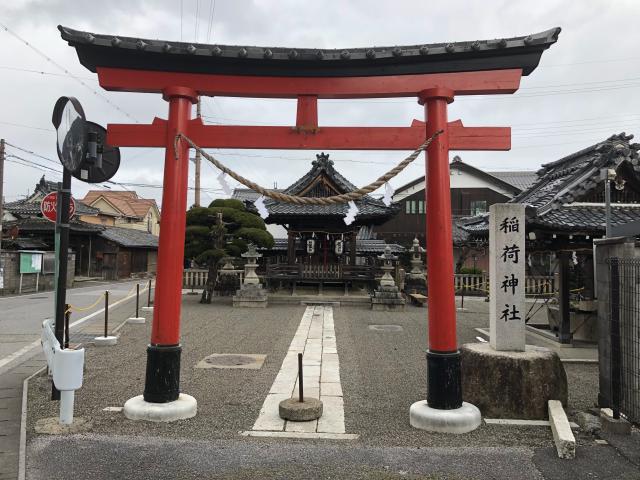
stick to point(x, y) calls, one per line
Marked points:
point(10, 413)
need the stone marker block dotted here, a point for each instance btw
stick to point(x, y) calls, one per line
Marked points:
point(514, 385)
point(506, 273)
point(562, 434)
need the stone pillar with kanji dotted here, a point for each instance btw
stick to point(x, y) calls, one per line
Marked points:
point(506, 378)
point(506, 276)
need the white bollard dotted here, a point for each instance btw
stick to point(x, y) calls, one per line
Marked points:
point(66, 367)
point(66, 407)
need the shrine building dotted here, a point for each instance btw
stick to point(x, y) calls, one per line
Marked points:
point(320, 247)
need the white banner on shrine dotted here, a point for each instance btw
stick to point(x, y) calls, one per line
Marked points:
point(507, 261)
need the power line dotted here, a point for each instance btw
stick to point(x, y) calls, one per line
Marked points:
point(28, 126)
point(40, 72)
point(212, 8)
point(197, 12)
point(56, 64)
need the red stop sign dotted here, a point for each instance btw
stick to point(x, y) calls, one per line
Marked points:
point(48, 206)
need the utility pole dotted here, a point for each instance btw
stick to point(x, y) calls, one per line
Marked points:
point(198, 160)
point(1, 192)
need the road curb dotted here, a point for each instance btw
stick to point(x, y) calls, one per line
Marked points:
point(22, 452)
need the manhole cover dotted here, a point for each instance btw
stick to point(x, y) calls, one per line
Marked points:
point(232, 360)
point(386, 328)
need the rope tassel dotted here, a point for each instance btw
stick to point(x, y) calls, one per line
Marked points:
point(283, 197)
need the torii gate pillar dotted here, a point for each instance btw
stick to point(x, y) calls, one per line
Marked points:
point(444, 409)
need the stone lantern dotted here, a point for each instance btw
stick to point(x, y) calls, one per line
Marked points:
point(251, 293)
point(416, 279)
point(387, 296)
point(417, 264)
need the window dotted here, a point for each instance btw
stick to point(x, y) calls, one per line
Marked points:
point(478, 206)
point(414, 206)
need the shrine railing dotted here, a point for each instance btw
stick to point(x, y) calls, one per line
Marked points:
point(478, 284)
point(302, 272)
point(194, 277)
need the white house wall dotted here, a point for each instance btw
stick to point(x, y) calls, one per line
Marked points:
point(458, 179)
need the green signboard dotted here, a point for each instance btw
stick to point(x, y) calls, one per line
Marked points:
point(30, 262)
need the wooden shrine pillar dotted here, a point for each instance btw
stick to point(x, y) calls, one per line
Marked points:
point(291, 247)
point(352, 248)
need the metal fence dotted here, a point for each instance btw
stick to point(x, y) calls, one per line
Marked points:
point(624, 318)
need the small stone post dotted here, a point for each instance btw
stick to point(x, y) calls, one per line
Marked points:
point(506, 276)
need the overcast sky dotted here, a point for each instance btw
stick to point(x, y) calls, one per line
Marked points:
point(585, 89)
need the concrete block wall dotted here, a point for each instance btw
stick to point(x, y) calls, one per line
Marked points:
point(11, 262)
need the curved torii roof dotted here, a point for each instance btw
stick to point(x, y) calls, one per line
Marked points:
point(98, 50)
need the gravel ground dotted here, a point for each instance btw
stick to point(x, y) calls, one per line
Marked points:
point(383, 373)
point(228, 400)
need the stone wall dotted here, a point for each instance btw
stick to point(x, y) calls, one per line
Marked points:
point(10, 261)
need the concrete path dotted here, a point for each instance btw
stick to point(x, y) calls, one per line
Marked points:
point(316, 340)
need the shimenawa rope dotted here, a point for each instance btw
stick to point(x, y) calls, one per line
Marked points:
point(282, 197)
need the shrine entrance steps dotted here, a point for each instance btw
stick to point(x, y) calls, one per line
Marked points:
point(333, 300)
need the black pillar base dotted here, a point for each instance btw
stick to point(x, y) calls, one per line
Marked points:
point(444, 380)
point(162, 383)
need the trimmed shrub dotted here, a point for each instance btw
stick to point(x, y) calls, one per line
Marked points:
point(261, 238)
point(228, 203)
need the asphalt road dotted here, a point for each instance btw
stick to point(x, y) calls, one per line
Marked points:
point(162, 458)
point(21, 316)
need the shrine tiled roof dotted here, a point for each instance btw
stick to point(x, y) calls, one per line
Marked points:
point(369, 208)
point(98, 50)
point(555, 199)
point(519, 179)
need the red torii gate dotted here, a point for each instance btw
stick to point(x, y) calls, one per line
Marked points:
point(433, 73)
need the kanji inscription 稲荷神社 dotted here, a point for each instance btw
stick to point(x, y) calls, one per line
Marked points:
point(506, 273)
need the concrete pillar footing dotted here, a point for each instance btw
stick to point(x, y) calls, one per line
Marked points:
point(137, 408)
point(105, 341)
point(459, 420)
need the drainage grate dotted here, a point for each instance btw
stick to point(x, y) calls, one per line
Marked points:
point(232, 360)
point(386, 328)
